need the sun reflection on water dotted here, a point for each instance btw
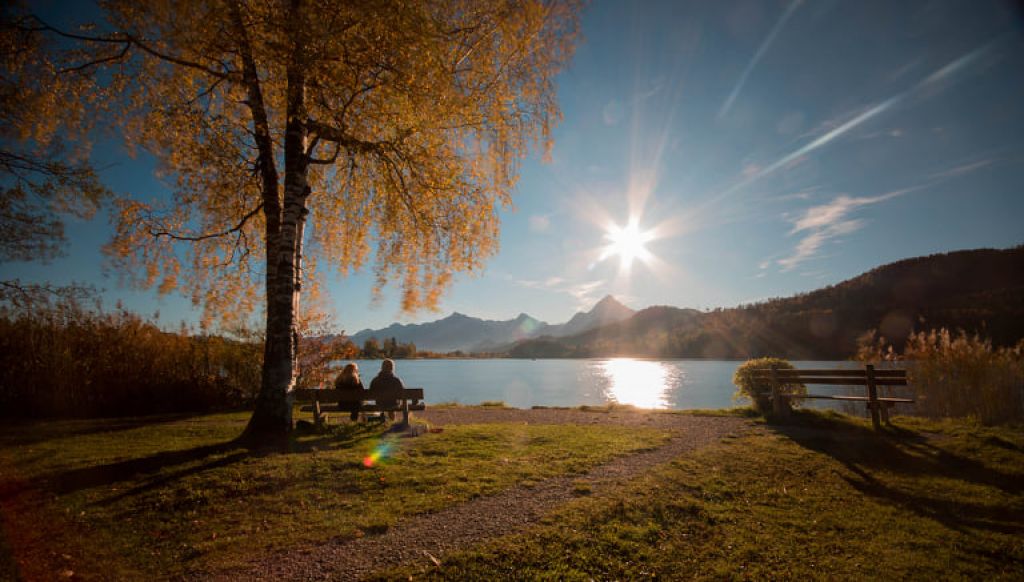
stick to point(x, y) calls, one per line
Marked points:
point(641, 383)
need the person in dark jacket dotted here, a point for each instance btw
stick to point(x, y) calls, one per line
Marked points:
point(387, 381)
point(348, 381)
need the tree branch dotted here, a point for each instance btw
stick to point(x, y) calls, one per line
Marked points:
point(112, 58)
point(330, 160)
point(128, 40)
point(340, 137)
point(237, 228)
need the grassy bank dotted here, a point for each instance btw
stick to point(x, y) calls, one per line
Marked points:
point(162, 496)
point(825, 498)
point(822, 498)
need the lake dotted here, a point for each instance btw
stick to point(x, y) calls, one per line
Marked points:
point(673, 384)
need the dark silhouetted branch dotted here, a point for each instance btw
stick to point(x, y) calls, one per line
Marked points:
point(196, 238)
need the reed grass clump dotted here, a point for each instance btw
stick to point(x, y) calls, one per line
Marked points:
point(958, 375)
point(65, 359)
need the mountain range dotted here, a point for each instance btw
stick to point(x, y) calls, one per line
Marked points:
point(470, 334)
point(979, 291)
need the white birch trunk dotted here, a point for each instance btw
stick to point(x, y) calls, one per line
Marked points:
point(273, 415)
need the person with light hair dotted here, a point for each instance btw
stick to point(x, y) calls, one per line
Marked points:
point(388, 382)
point(348, 381)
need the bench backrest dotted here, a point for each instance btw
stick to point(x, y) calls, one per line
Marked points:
point(332, 395)
point(859, 377)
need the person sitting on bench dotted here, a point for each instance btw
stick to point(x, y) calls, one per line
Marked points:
point(387, 381)
point(348, 381)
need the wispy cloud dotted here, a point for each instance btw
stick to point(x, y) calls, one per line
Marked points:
point(810, 245)
point(761, 50)
point(955, 66)
point(540, 222)
point(962, 169)
point(902, 71)
point(549, 283)
point(825, 215)
point(833, 129)
point(585, 293)
point(870, 113)
point(828, 222)
point(806, 194)
point(612, 112)
point(831, 135)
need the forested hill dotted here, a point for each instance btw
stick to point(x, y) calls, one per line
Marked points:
point(977, 290)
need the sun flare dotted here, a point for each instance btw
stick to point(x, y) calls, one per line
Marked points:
point(627, 242)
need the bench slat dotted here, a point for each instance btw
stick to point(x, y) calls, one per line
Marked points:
point(844, 381)
point(332, 395)
point(841, 397)
point(366, 408)
point(304, 394)
point(375, 408)
point(851, 373)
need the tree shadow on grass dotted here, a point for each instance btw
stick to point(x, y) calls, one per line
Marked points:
point(869, 455)
point(162, 468)
point(30, 432)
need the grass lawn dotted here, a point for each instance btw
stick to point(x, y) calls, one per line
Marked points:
point(824, 498)
point(160, 497)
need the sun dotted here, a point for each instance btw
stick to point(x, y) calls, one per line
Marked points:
point(627, 242)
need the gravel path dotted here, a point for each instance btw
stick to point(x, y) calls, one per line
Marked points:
point(418, 538)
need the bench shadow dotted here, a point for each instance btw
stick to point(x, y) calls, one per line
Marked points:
point(905, 452)
point(162, 468)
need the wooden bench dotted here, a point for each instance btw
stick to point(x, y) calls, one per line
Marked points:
point(869, 377)
point(405, 400)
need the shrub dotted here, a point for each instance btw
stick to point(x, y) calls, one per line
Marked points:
point(758, 391)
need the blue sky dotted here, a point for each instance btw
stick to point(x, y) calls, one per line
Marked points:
point(769, 148)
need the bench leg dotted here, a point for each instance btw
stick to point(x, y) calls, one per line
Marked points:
point(885, 412)
point(874, 409)
point(317, 418)
point(780, 407)
point(873, 403)
point(405, 412)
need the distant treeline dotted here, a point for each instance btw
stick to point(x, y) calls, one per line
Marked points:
point(374, 349)
point(391, 348)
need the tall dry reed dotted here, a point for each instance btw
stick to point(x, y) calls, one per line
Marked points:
point(65, 359)
point(958, 375)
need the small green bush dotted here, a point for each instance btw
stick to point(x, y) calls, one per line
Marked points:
point(759, 392)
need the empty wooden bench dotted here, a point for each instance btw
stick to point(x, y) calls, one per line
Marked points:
point(869, 378)
point(403, 400)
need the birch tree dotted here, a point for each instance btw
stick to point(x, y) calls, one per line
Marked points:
point(309, 134)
